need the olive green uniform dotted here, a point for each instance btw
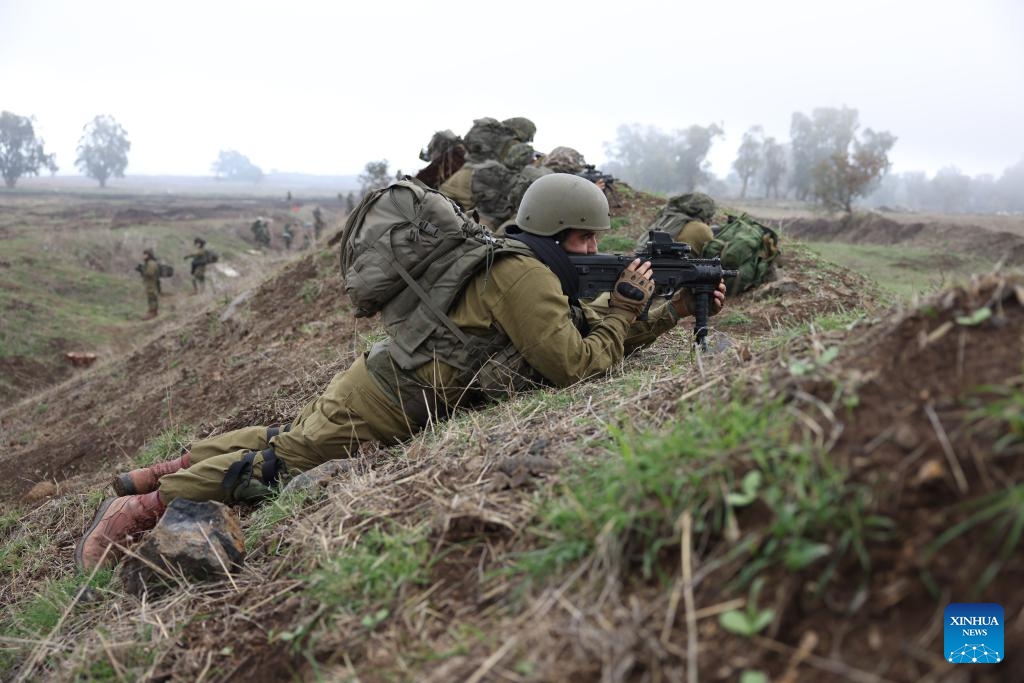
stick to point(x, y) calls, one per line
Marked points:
point(519, 296)
point(695, 233)
point(151, 281)
point(198, 269)
point(460, 187)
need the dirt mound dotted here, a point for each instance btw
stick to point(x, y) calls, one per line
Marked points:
point(922, 408)
point(279, 345)
point(872, 228)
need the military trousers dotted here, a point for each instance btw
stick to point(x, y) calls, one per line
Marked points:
point(351, 410)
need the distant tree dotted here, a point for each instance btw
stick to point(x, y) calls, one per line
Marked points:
point(774, 168)
point(984, 194)
point(656, 161)
point(846, 174)
point(350, 202)
point(814, 139)
point(103, 149)
point(749, 158)
point(691, 155)
point(951, 190)
point(1010, 187)
point(21, 152)
point(375, 176)
point(233, 165)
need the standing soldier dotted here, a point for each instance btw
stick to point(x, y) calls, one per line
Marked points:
point(318, 222)
point(261, 232)
point(199, 261)
point(287, 235)
point(149, 269)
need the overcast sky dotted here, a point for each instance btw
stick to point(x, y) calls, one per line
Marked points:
point(324, 87)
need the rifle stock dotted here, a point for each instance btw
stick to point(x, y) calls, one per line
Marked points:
point(673, 269)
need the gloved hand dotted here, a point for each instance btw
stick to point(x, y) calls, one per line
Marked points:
point(633, 289)
point(685, 302)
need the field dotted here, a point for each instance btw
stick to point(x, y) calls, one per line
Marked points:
point(799, 505)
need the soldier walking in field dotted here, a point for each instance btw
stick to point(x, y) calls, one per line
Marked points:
point(318, 223)
point(261, 232)
point(517, 323)
point(199, 260)
point(149, 269)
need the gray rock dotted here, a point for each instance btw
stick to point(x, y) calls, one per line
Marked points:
point(199, 540)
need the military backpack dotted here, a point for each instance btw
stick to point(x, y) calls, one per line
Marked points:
point(165, 270)
point(747, 246)
point(407, 252)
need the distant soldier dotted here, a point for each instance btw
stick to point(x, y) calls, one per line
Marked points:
point(350, 202)
point(318, 222)
point(307, 236)
point(261, 232)
point(199, 260)
point(288, 234)
point(149, 269)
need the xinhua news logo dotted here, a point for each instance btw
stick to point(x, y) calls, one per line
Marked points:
point(974, 633)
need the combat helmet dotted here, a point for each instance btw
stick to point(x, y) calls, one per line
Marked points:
point(559, 201)
point(148, 252)
point(199, 242)
point(523, 127)
point(694, 204)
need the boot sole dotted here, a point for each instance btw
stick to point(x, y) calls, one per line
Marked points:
point(123, 485)
point(80, 546)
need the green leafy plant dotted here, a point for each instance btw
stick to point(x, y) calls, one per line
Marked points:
point(752, 620)
point(616, 244)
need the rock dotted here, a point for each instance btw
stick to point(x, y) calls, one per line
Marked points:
point(318, 477)
point(199, 540)
point(905, 437)
point(779, 288)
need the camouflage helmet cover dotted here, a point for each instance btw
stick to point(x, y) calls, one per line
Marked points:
point(523, 127)
point(564, 160)
point(694, 204)
point(199, 241)
point(519, 156)
point(148, 252)
point(559, 201)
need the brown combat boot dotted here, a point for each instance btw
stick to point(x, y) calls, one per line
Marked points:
point(114, 523)
point(144, 479)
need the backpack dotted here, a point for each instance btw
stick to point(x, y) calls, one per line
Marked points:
point(165, 270)
point(407, 252)
point(488, 139)
point(211, 257)
point(490, 186)
point(747, 246)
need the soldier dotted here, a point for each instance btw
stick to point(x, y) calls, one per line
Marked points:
point(261, 232)
point(318, 222)
point(149, 269)
point(687, 217)
point(287, 235)
point(199, 260)
point(525, 306)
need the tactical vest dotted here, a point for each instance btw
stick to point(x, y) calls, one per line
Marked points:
point(490, 367)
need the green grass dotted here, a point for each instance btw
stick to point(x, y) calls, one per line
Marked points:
point(616, 244)
point(164, 446)
point(626, 505)
point(901, 270)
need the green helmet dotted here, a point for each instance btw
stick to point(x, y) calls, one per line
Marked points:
point(694, 204)
point(561, 200)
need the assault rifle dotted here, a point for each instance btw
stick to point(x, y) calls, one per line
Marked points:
point(591, 173)
point(673, 269)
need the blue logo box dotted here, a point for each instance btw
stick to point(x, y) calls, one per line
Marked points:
point(973, 633)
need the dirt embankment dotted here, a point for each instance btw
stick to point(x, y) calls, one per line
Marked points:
point(872, 228)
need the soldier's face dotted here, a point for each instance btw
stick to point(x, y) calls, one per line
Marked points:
point(580, 242)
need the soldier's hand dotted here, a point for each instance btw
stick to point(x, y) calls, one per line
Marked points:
point(685, 302)
point(634, 288)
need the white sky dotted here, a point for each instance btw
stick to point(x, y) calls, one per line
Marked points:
point(324, 87)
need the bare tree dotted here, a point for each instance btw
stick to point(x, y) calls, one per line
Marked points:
point(375, 176)
point(774, 168)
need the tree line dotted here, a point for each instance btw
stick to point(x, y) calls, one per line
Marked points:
point(102, 152)
point(828, 158)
